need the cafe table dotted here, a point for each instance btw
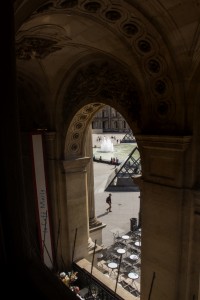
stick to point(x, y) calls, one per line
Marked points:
point(121, 251)
point(137, 243)
point(133, 256)
point(133, 276)
point(116, 231)
point(125, 237)
point(112, 266)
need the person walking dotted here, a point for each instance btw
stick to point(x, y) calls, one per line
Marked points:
point(109, 202)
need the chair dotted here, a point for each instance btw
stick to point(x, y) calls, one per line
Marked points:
point(123, 283)
point(135, 293)
point(113, 270)
point(102, 267)
point(127, 286)
point(117, 239)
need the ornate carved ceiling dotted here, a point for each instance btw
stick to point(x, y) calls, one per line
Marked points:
point(56, 34)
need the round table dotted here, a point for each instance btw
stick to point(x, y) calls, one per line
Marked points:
point(112, 266)
point(133, 275)
point(100, 255)
point(133, 256)
point(121, 251)
point(138, 243)
point(125, 237)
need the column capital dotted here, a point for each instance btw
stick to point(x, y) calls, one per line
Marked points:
point(76, 165)
point(162, 141)
point(165, 159)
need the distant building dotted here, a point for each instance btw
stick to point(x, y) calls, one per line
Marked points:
point(109, 120)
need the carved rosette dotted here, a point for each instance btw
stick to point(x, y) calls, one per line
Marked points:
point(75, 136)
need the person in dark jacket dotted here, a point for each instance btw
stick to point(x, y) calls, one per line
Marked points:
point(109, 202)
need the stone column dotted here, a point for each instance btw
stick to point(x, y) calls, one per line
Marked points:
point(166, 216)
point(93, 222)
point(74, 210)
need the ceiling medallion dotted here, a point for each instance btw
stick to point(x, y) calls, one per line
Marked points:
point(68, 3)
point(163, 108)
point(92, 6)
point(130, 29)
point(160, 87)
point(75, 136)
point(78, 125)
point(144, 46)
point(153, 66)
point(113, 15)
point(74, 147)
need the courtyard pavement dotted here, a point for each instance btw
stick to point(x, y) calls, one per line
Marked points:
point(125, 205)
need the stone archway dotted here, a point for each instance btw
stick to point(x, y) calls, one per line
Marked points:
point(95, 84)
point(99, 83)
point(145, 34)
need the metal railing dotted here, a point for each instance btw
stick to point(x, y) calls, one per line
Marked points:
point(94, 288)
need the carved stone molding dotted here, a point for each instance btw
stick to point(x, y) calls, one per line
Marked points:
point(74, 146)
point(93, 223)
point(105, 81)
point(161, 157)
point(35, 47)
point(76, 165)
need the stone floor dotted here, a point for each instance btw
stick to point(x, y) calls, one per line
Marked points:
point(125, 205)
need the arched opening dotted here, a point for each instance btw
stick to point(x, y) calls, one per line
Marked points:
point(96, 79)
point(78, 150)
point(89, 88)
point(69, 153)
point(71, 157)
point(118, 236)
point(93, 85)
point(79, 172)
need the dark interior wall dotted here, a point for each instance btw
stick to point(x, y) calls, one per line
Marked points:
point(30, 194)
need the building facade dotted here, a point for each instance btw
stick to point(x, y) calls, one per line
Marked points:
point(109, 119)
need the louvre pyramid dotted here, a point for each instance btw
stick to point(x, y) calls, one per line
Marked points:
point(121, 178)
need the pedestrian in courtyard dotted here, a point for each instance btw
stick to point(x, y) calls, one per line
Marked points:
point(109, 202)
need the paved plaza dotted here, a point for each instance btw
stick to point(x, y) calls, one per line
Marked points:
point(125, 205)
